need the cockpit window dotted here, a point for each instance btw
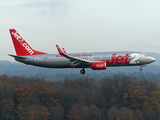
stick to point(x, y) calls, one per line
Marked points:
point(146, 55)
point(134, 55)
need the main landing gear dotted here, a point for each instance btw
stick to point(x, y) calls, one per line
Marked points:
point(82, 71)
point(140, 69)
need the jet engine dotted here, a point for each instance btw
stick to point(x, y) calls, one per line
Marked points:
point(98, 66)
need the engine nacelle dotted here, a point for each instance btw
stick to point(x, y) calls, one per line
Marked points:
point(98, 66)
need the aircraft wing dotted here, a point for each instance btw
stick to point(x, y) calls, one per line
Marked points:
point(74, 60)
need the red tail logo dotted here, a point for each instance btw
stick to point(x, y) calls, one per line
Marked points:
point(23, 43)
point(22, 48)
point(17, 36)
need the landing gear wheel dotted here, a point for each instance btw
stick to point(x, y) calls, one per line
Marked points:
point(82, 71)
point(140, 69)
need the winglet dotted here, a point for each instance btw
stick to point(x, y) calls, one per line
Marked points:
point(64, 51)
point(59, 50)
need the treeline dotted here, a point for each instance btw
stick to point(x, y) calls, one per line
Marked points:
point(117, 98)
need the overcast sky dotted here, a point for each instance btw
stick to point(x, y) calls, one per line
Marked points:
point(81, 25)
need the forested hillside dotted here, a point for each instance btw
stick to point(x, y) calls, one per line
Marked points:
point(117, 98)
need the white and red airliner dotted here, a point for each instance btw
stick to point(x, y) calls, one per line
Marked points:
point(96, 61)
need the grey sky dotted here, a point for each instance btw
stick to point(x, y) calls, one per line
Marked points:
point(81, 25)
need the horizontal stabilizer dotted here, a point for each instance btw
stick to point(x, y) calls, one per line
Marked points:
point(20, 57)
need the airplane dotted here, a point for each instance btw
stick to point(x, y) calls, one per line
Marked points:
point(94, 60)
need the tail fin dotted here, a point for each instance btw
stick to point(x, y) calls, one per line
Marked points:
point(22, 48)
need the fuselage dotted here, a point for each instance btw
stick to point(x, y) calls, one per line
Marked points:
point(110, 58)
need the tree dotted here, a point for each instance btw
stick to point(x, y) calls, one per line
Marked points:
point(135, 95)
point(153, 102)
point(73, 114)
point(57, 113)
point(7, 103)
point(150, 86)
point(23, 98)
point(121, 114)
point(150, 114)
point(8, 108)
point(44, 94)
point(34, 112)
point(138, 115)
point(91, 112)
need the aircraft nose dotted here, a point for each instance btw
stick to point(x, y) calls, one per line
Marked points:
point(152, 59)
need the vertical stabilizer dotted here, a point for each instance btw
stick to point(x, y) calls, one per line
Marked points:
point(22, 48)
